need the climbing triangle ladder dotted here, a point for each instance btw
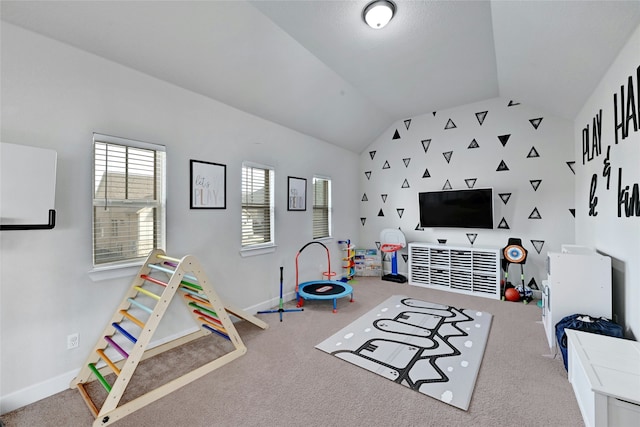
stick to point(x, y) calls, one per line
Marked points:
point(148, 298)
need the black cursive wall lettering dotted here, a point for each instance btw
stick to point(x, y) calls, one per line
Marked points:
point(593, 199)
point(628, 201)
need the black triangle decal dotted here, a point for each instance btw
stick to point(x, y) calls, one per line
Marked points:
point(533, 153)
point(512, 103)
point(405, 184)
point(502, 166)
point(386, 165)
point(481, 116)
point(503, 224)
point(425, 144)
point(535, 214)
point(418, 228)
point(368, 174)
point(396, 135)
point(363, 220)
point(573, 212)
point(372, 154)
point(472, 237)
point(505, 197)
point(538, 244)
point(535, 183)
point(470, 182)
point(405, 257)
point(378, 245)
point(406, 162)
point(535, 122)
point(400, 212)
point(571, 164)
point(447, 185)
point(473, 144)
point(532, 284)
point(364, 197)
point(384, 198)
point(503, 139)
point(426, 174)
point(447, 155)
point(407, 123)
point(450, 125)
point(434, 114)
point(380, 213)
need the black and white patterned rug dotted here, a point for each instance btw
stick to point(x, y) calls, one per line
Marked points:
point(431, 348)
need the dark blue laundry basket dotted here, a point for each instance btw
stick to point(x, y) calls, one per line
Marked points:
point(586, 323)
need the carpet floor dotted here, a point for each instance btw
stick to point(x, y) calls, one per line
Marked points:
point(284, 380)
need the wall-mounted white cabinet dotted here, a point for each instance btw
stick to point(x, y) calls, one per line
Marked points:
point(579, 282)
point(27, 186)
point(467, 270)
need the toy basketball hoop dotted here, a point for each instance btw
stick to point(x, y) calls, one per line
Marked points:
point(392, 240)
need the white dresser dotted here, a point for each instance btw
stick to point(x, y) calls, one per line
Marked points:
point(579, 282)
point(605, 375)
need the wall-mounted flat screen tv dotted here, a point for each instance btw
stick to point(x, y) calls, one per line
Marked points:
point(471, 208)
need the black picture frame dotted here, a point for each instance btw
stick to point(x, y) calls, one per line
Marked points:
point(208, 185)
point(296, 194)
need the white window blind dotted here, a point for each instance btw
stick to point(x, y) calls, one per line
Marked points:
point(257, 205)
point(321, 207)
point(128, 200)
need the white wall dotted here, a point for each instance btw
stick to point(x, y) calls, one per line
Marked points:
point(530, 153)
point(54, 96)
point(602, 228)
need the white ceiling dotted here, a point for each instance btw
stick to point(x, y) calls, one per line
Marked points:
point(315, 67)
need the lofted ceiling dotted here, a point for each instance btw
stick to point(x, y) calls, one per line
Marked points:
point(315, 67)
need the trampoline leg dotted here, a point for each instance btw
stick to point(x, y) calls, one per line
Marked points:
point(335, 305)
point(351, 300)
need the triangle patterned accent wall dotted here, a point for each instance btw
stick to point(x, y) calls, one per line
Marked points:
point(520, 152)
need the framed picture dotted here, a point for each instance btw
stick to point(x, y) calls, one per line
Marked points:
point(208, 185)
point(297, 194)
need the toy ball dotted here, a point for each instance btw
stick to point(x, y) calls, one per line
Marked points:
point(512, 294)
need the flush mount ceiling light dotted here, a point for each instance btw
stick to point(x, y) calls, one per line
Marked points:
point(378, 13)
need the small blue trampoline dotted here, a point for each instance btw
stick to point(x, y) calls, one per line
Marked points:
point(321, 289)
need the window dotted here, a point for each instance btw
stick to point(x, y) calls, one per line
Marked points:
point(257, 206)
point(128, 200)
point(321, 207)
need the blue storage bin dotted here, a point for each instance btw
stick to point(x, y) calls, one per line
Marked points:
point(586, 323)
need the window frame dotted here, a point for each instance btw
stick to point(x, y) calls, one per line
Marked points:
point(158, 203)
point(329, 208)
point(267, 246)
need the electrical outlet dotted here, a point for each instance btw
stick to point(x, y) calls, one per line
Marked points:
point(72, 341)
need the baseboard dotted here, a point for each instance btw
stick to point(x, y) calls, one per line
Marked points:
point(36, 392)
point(60, 383)
point(269, 304)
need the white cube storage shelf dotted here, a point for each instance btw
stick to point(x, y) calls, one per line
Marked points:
point(466, 270)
